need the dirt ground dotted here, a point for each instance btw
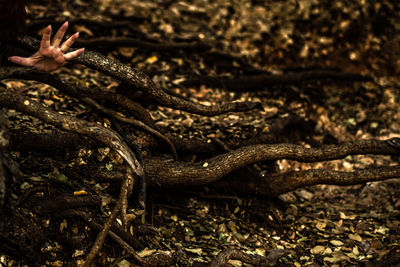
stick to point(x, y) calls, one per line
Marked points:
point(322, 225)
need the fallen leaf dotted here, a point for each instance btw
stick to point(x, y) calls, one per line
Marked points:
point(197, 251)
point(337, 243)
point(317, 250)
point(80, 193)
point(355, 237)
point(63, 225)
point(235, 263)
point(151, 60)
point(382, 230)
point(146, 252)
point(123, 263)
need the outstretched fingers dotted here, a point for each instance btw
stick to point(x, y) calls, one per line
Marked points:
point(51, 54)
point(45, 43)
point(60, 35)
point(74, 54)
point(69, 42)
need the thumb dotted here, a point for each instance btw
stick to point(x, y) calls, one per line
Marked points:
point(21, 61)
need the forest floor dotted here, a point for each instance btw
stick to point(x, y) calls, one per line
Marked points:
point(323, 225)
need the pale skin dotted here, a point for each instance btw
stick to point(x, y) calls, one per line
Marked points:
point(52, 54)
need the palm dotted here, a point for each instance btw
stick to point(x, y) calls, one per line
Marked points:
point(51, 53)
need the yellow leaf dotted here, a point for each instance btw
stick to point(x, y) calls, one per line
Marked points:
point(355, 251)
point(146, 252)
point(235, 263)
point(355, 237)
point(151, 60)
point(63, 225)
point(382, 230)
point(197, 251)
point(336, 242)
point(80, 193)
point(260, 251)
point(318, 250)
point(123, 263)
point(320, 226)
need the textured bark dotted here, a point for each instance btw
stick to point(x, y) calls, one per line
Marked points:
point(286, 182)
point(138, 80)
point(171, 173)
point(71, 124)
point(166, 172)
point(79, 92)
point(234, 254)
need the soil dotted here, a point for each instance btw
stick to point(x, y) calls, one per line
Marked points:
point(322, 225)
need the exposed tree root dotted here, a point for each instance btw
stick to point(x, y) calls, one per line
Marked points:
point(118, 239)
point(79, 92)
point(133, 122)
point(98, 243)
point(54, 143)
point(260, 82)
point(62, 203)
point(142, 41)
point(138, 80)
point(165, 172)
point(290, 181)
point(120, 207)
point(72, 124)
point(86, 95)
point(168, 173)
point(172, 173)
point(234, 254)
point(104, 135)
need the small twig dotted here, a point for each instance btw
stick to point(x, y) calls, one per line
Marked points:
point(102, 235)
point(124, 197)
point(124, 192)
point(126, 188)
point(111, 233)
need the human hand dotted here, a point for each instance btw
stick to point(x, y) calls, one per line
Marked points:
point(51, 54)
